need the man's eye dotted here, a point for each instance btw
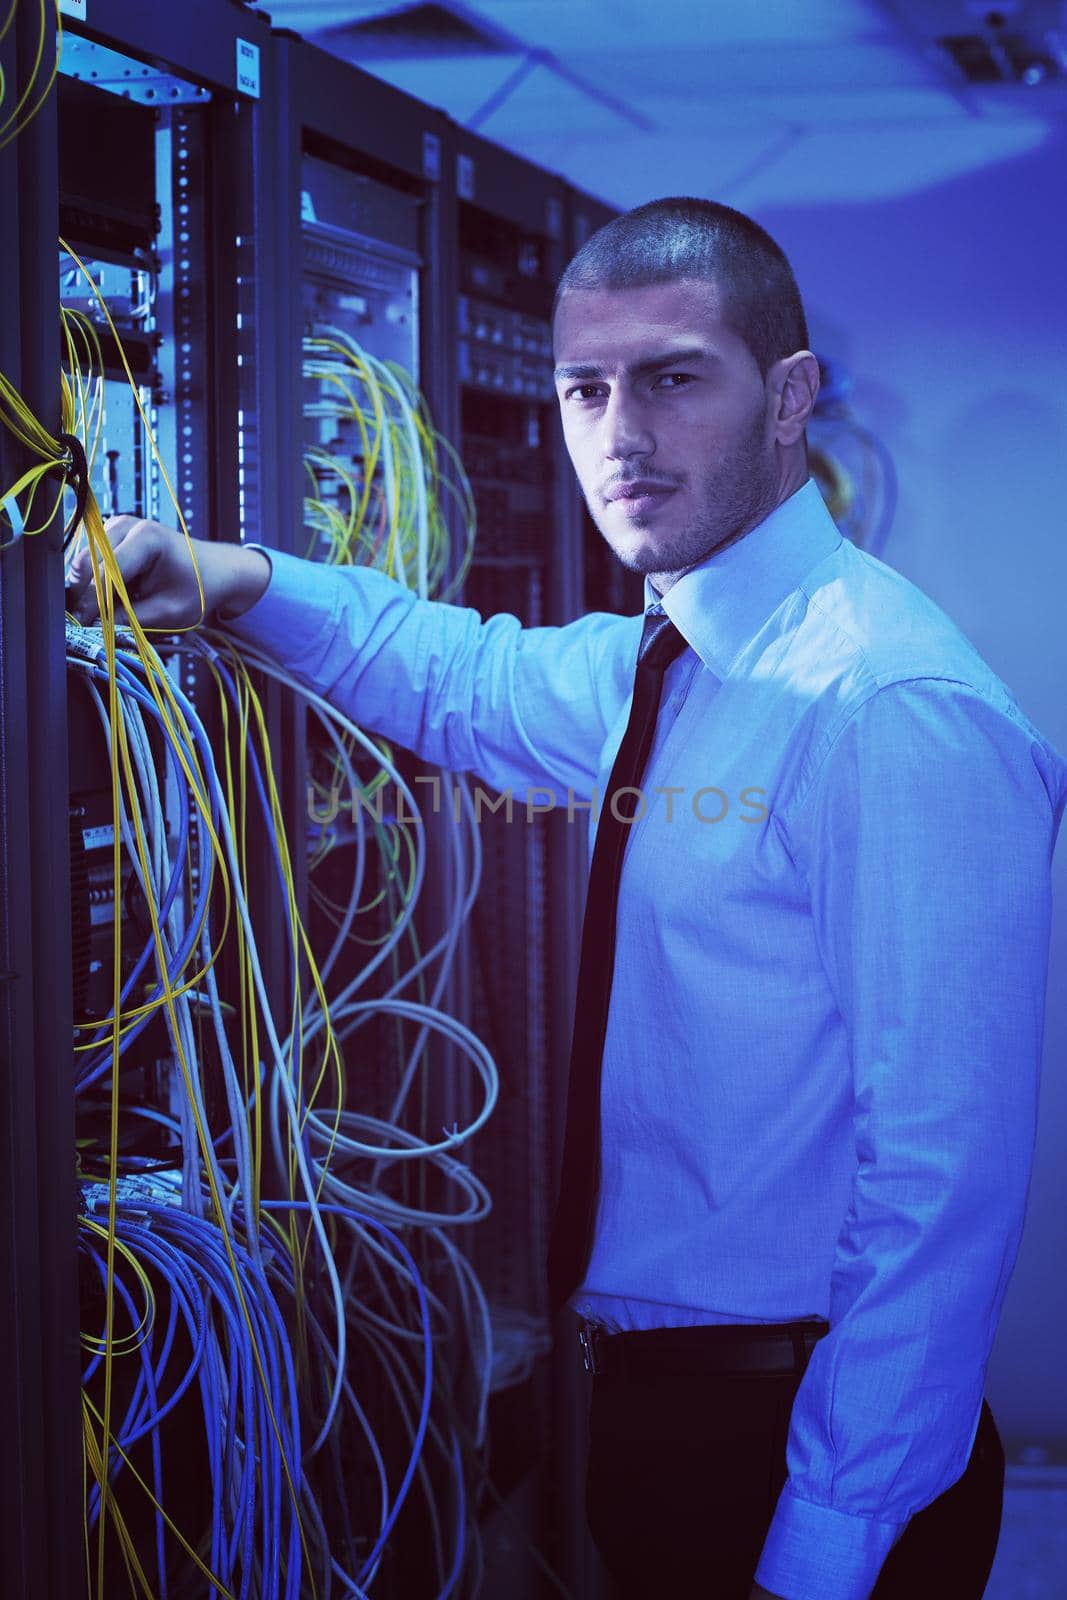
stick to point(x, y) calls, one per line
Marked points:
point(676, 380)
point(584, 391)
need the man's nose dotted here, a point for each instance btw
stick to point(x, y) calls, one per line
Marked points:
point(626, 430)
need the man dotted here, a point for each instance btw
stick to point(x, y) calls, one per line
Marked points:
point(816, 1073)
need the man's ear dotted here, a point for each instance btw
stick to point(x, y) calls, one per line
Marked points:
point(794, 383)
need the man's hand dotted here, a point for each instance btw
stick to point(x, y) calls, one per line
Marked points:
point(158, 572)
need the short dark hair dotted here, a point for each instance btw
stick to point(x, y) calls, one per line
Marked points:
point(665, 240)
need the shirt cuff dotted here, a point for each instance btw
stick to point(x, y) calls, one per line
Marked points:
point(222, 618)
point(813, 1552)
point(295, 619)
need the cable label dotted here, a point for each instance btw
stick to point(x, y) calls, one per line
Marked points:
point(248, 68)
point(73, 8)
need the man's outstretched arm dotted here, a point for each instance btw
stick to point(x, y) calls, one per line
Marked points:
point(521, 708)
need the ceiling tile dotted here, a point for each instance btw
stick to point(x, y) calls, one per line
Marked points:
point(585, 24)
point(752, 100)
point(803, 169)
point(750, 68)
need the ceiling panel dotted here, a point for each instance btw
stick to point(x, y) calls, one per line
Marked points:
point(855, 65)
point(780, 100)
point(788, 168)
point(576, 24)
point(586, 25)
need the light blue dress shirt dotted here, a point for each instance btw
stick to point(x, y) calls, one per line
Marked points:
point(822, 1060)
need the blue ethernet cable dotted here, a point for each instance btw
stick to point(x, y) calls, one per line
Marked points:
point(424, 1310)
point(193, 1236)
point(198, 1245)
point(146, 1385)
point(279, 1266)
point(203, 1243)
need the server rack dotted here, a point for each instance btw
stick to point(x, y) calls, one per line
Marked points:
point(347, 140)
point(357, 182)
point(511, 232)
point(183, 108)
point(179, 98)
point(364, 202)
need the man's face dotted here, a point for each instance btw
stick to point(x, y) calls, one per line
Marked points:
point(667, 421)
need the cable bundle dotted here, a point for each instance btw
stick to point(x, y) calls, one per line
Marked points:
point(258, 1544)
point(249, 1451)
point(224, 1215)
point(383, 505)
point(388, 509)
point(256, 1264)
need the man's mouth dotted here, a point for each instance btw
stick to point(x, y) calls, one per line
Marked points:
point(640, 496)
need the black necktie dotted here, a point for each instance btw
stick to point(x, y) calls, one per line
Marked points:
point(572, 1229)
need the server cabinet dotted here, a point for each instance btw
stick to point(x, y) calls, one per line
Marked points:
point(165, 219)
point(133, 160)
point(362, 254)
point(512, 239)
point(227, 237)
point(361, 327)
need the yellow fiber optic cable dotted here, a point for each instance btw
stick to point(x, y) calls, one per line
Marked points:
point(95, 1462)
point(141, 1333)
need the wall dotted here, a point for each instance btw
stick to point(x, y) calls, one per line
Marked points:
point(948, 308)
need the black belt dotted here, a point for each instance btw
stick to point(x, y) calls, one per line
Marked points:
point(718, 1347)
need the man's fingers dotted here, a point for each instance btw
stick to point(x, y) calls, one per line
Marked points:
point(136, 547)
point(157, 576)
point(118, 528)
point(80, 571)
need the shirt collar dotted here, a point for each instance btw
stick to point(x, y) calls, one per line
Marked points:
point(721, 604)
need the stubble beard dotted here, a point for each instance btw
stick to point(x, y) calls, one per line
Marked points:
point(737, 493)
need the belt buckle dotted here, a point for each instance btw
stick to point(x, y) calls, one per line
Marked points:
point(589, 1338)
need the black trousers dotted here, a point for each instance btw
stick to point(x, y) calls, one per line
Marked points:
point(685, 1471)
